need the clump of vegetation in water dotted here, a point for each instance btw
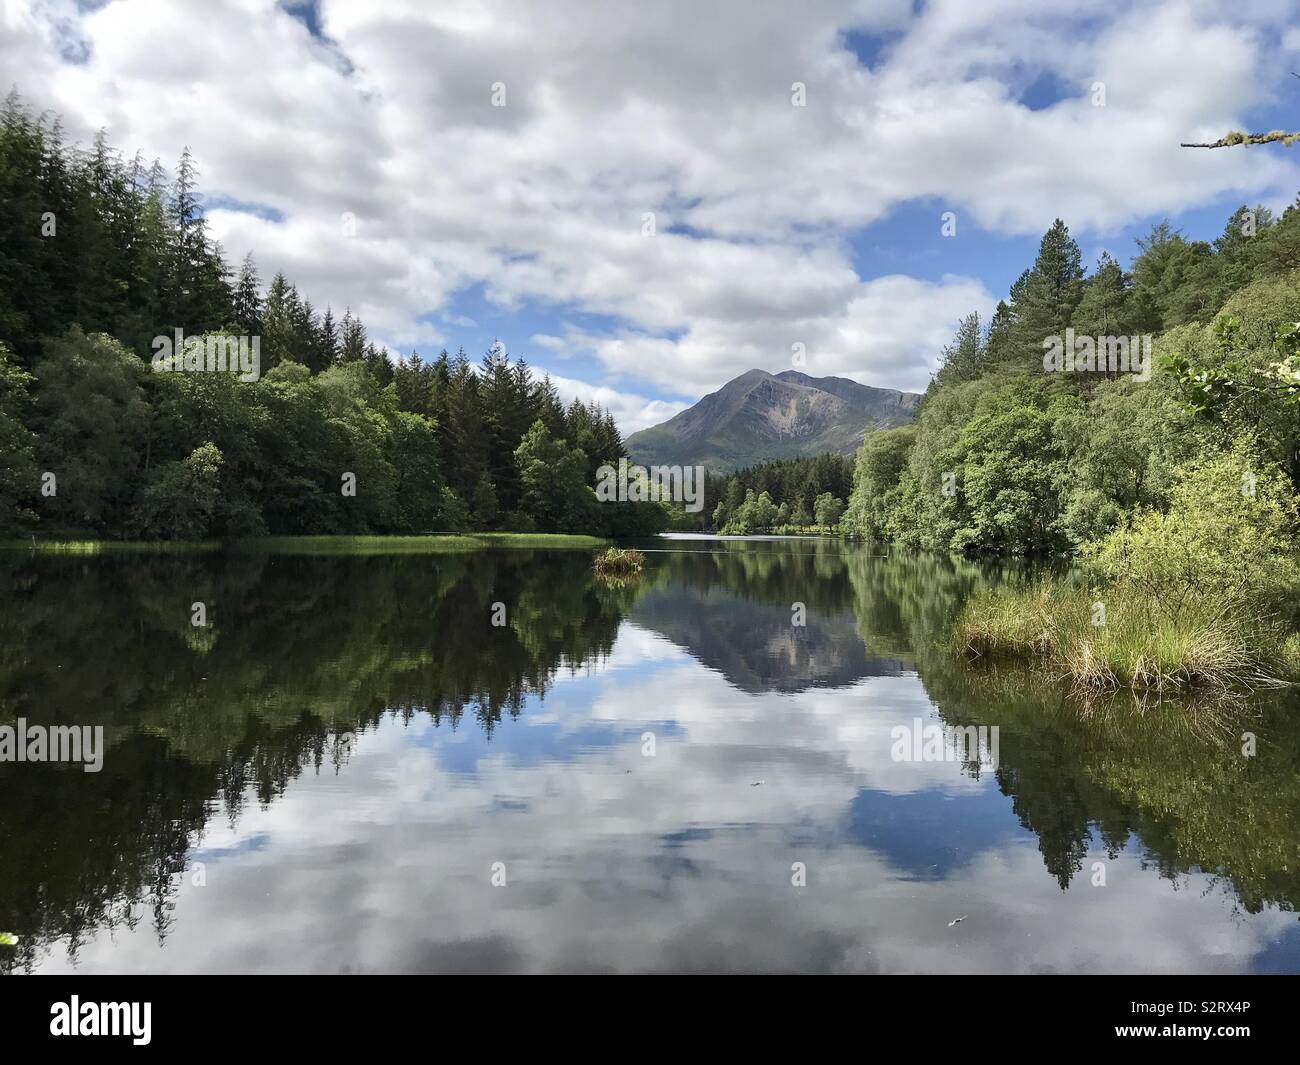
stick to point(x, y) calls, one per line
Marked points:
point(1191, 598)
point(619, 562)
point(1106, 638)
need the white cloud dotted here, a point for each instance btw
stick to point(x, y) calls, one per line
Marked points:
point(681, 109)
point(631, 412)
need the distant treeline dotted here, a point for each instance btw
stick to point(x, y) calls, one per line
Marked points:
point(99, 255)
point(789, 494)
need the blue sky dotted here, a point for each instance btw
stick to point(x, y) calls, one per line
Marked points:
point(499, 161)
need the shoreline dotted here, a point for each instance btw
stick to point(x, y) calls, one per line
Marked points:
point(433, 543)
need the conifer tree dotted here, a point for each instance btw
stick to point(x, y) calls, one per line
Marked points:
point(1103, 310)
point(1044, 298)
point(247, 299)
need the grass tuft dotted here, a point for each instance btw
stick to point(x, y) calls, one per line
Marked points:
point(619, 562)
point(1136, 640)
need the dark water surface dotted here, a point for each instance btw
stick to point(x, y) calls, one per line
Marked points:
point(337, 774)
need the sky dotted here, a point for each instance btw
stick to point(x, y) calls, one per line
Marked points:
point(646, 200)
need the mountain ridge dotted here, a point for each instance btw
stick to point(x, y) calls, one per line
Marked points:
point(761, 416)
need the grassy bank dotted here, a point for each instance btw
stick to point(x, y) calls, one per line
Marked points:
point(1105, 638)
point(1200, 595)
point(318, 545)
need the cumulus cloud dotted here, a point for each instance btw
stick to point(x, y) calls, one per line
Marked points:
point(680, 110)
point(632, 412)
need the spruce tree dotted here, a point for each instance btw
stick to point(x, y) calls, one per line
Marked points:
point(352, 339)
point(247, 299)
point(327, 339)
point(1103, 310)
point(1051, 290)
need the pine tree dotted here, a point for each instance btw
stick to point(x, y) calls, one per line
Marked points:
point(327, 339)
point(546, 403)
point(277, 326)
point(352, 339)
point(247, 299)
point(152, 262)
point(1044, 299)
point(105, 226)
point(506, 397)
point(377, 362)
point(963, 359)
point(1234, 250)
point(302, 320)
point(198, 293)
point(485, 507)
point(1102, 312)
point(465, 449)
point(411, 378)
point(26, 302)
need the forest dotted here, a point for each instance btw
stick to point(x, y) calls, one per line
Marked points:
point(1044, 462)
point(1175, 496)
point(800, 495)
point(99, 255)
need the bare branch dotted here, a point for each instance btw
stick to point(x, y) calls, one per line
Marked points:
point(1277, 136)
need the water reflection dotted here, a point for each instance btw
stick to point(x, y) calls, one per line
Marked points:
point(326, 778)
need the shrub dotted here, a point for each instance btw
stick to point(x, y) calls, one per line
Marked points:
point(1226, 533)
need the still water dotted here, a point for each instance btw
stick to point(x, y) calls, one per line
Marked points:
point(350, 768)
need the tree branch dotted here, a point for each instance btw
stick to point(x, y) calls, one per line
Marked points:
point(1238, 137)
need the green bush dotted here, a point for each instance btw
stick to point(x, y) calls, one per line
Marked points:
point(1226, 532)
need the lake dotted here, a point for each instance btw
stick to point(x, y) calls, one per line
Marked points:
point(490, 762)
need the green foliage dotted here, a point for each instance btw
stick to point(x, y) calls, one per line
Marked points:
point(129, 258)
point(876, 473)
point(553, 476)
point(1006, 459)
point(964, 358)
point(1227, 533)
point(756, 514)
point(827, 510)
point(1011, 469)
point(423, 502)
point(92, 419)
point(182, 498)
point(792, 483)
point(487, 511)
point(18, 471)
point(1191, 595)
point(1044, 299)
point(1240, 374)
point(1124, 449)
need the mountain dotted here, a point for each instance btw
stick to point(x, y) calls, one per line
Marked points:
point(754, 646)
point(761, 416)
